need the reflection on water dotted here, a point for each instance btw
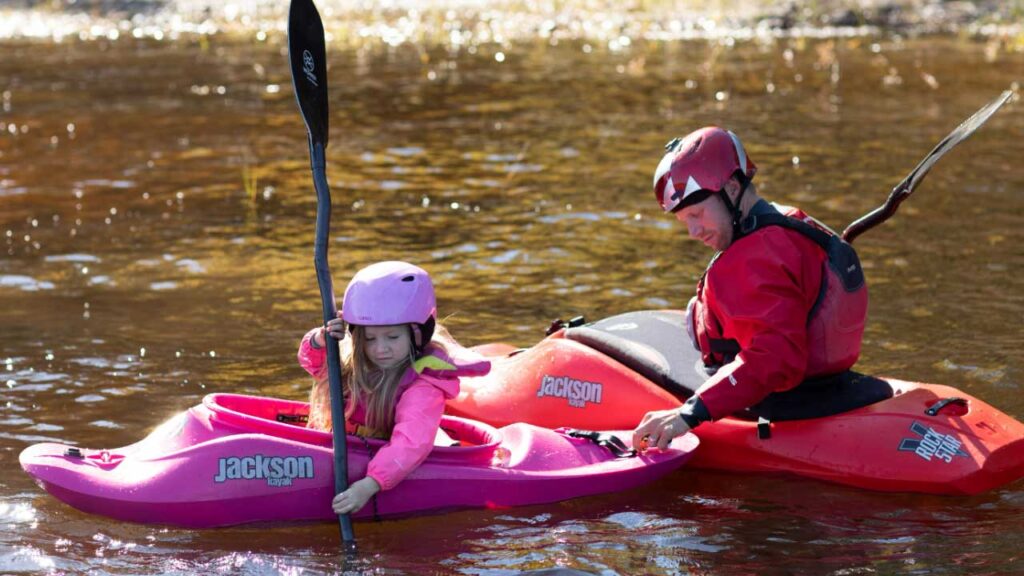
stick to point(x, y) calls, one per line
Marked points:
point(156, 219)
point(470, 23)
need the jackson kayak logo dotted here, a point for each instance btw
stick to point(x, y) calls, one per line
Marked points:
point(931, 444)
point(577, 392)
point(276, 470)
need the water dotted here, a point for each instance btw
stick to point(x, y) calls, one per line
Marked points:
point(156, 221)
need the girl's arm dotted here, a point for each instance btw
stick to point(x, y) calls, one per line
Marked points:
point(312, 355)
point(417, 418)
point(312, 352)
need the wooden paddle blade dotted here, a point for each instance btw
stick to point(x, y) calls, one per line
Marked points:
point(308, 57)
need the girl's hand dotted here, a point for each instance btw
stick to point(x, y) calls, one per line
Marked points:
point(352, 500)
point(337, 329)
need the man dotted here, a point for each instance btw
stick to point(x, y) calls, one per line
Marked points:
point(782, 301)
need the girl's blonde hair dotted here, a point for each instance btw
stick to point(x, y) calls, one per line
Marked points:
point(363, 383)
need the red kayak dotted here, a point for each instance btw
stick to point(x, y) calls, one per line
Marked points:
point(876, 433)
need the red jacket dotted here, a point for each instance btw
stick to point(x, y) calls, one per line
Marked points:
point(760, 292)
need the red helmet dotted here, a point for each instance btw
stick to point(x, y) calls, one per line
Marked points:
point(699, 165)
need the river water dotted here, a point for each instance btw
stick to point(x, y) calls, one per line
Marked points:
point(156, 222)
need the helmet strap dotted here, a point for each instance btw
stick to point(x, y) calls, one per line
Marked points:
point(421, 334)
point(734, 209)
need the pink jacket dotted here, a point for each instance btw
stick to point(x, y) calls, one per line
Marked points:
point(420, 403)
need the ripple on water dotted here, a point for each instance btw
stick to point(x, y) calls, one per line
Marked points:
point(494, 158)
point(406, 151)
point(26, 283)
point(991, 375)
point(521, 168)
point(31, 380)
point(483, 182)
point(106, 424)
point(17, 513)
point(15, 421)
point(556, 218)
point(639, 520)
point(505, 257)
point(27, 559)
point(190, 265)
point(94, 362)
point(7, 188)
point(44, 427)
point(106, 183)
point(80, 258)
point(90, 398)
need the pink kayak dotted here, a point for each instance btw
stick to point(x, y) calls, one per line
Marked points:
point(236, 459)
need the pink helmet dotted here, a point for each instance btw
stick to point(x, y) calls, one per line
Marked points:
point(388, 293)
point(699, 165)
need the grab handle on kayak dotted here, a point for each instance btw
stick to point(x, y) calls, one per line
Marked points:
point(613, 443)
point(938, 406)
point(557, 324)
point(292, 418)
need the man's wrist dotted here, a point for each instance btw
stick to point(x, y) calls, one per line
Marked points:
point(694, 412)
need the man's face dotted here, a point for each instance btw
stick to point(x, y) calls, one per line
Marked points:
point(708, 221)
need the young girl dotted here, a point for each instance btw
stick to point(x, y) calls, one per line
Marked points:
point(396, 374)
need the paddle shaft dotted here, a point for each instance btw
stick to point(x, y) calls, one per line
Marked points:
point(308, 58)
point(330, 311)
point(878, 215)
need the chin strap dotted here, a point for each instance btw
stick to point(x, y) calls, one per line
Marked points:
point(421, 334)
point(734, 209)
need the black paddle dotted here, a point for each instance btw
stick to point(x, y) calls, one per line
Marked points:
point(309, 77)
point(905, 188)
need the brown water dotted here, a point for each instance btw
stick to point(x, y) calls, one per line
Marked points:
point(156, 217)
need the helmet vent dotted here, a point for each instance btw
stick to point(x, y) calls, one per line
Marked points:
point(409, 278)
point(694, 146)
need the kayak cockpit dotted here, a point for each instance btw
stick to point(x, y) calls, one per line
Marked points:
point(287, 419)
point(654, 344)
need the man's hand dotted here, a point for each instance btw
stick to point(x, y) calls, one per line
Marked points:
point(657, 430)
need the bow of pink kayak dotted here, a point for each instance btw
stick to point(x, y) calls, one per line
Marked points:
point(238, 459)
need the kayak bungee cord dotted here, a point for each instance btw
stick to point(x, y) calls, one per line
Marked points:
point(308, 56)
point(904, 189)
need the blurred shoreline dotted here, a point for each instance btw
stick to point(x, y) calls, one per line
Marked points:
point(471, 22)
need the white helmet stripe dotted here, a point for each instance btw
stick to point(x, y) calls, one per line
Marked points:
point(663, 167)
point(740, 152)
point(672, 198)
point(691, 187)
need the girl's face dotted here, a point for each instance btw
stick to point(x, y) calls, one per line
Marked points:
point(388, 346)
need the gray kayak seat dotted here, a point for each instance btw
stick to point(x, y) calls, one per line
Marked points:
point(654, 344)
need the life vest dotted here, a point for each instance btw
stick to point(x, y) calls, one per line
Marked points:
point(835, 322)
point(438, 368)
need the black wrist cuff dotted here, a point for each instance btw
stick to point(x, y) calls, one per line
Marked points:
point(694, 412)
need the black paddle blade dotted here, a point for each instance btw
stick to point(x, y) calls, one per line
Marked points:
point(903, 190)
point(308, 57)
point(958, 135)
